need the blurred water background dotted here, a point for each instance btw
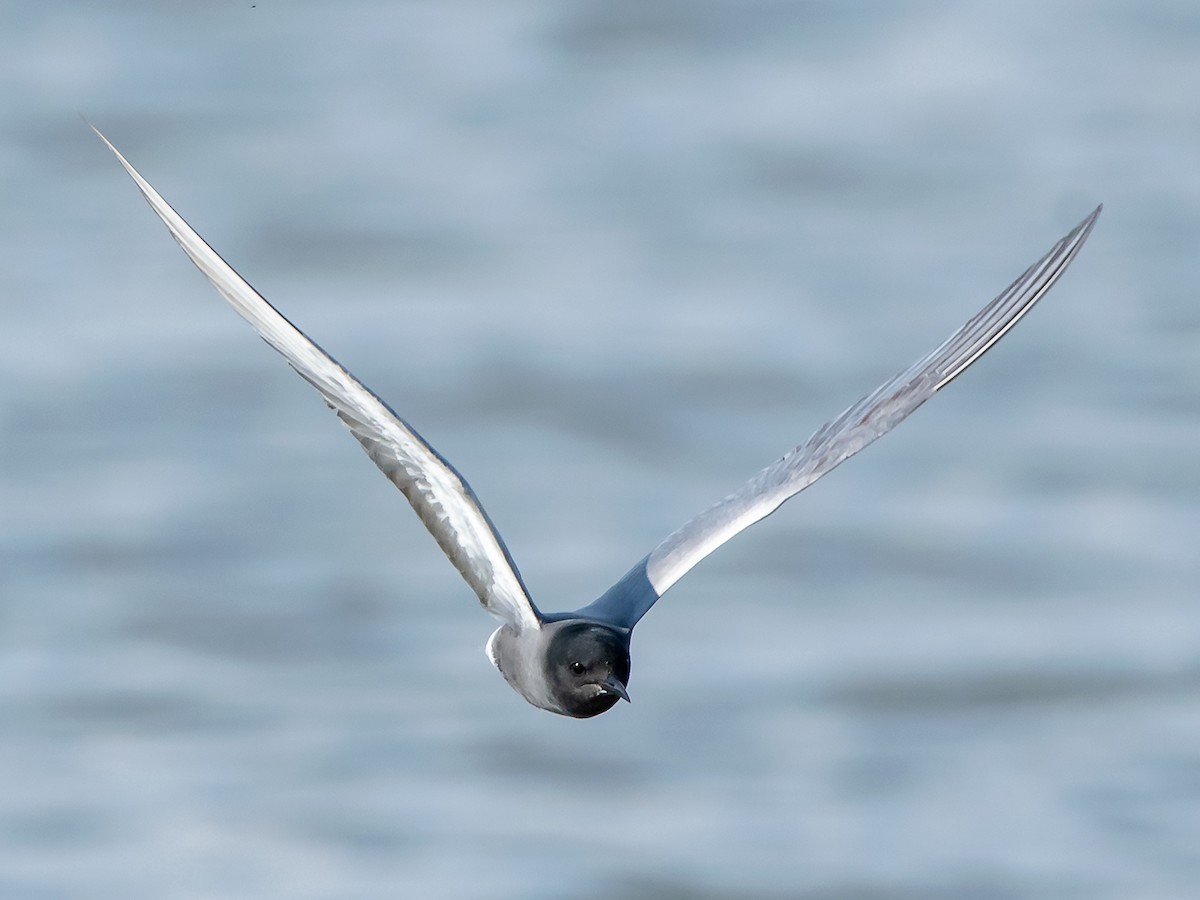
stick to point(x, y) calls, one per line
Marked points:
point(611, 258)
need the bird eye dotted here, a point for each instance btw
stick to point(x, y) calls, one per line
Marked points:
point(577, 668)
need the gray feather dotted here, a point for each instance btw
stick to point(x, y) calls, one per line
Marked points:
point(867, 420)
point(440, 496)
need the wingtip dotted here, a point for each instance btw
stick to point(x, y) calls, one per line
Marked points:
point(1091, 220)
point(88, 122)
point(1087, 223)
point(117, 153)
point(1076, 236)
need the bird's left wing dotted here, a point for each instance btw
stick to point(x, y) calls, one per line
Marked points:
point(871, 417)
point(441, 497)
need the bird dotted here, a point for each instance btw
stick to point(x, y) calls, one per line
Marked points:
point(577, 663)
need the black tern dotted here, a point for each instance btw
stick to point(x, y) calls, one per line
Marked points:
point(577, 663)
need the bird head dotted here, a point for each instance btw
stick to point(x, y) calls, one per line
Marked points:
point(587, 665)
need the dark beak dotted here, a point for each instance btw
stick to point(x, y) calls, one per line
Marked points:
point(612, 686)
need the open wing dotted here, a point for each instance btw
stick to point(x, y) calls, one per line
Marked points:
point(871, 417)
point(440, 496)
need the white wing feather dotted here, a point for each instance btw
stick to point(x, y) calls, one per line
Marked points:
point(441, 497)
point(870, 418)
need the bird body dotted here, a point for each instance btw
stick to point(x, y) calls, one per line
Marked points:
point(577, 663)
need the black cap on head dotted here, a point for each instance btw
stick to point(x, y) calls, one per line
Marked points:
point(587, 665)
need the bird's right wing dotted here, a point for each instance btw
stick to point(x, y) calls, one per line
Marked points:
point(441, 497)
point(871, 417)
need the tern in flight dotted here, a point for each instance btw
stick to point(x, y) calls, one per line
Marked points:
point(577, 663)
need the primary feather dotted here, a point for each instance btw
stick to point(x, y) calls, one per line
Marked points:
point(441, 497)
point(870, 418)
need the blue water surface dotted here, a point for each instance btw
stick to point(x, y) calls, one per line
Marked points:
point(610, 258)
